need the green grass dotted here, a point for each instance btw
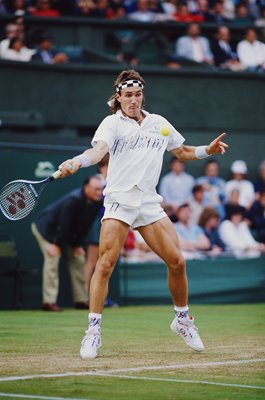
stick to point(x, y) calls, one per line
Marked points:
point(34, 342)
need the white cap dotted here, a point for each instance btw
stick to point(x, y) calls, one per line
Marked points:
point(239, 167)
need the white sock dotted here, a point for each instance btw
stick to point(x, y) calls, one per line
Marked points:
point(182, 312)
point(94, 319)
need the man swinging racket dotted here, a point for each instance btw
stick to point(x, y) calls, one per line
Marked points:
point(136, 141)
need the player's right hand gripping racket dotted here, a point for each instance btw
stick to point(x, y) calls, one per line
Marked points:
point(19, 198)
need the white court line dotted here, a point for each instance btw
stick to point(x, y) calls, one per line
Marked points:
point(31, 396)
point(134, 369)
point(144, 378)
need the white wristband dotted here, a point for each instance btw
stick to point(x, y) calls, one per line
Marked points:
point(200, 152)
point(84, 160)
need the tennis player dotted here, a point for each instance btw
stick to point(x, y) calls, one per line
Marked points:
point(133, 138)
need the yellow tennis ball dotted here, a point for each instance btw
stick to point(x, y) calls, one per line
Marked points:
point(165, 130)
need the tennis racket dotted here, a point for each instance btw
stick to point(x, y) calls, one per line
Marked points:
point(19, 198)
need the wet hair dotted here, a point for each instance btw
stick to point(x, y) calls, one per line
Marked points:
point(122, 77)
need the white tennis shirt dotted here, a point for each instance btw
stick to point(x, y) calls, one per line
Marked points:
point(136, 155)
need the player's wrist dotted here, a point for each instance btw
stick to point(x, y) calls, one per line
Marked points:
point(201, 152)
point(83, 160)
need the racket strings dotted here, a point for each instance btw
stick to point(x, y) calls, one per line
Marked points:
point(18, 199)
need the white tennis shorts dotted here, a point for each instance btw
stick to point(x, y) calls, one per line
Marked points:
point(147, 213)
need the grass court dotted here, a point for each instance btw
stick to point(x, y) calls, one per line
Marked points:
point(141, 359)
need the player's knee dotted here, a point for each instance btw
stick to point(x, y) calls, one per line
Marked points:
point(105, 267)
point(178, 265)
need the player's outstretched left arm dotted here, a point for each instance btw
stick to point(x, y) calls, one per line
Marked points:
point(186, 153)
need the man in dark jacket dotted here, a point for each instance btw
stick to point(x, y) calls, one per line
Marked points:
point(61, 229)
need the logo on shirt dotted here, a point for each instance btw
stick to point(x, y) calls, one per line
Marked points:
point(136, 142)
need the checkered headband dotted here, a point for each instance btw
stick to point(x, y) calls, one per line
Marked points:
point(129, 83)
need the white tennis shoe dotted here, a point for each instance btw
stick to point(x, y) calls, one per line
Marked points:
point(91, 343)
point(188, 331)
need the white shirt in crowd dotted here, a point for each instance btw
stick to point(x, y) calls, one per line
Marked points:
point(238, 239)
point(251, 55)
point(176, 189)
point(246, 191)
point(136, 155)
point(24, 54)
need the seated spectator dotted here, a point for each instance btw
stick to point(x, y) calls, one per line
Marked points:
point(237, 237)
point(256, 216)
point(232, 203)
point(19, 8)
point(216, 14)
point(259, 184)
point(183, 15)
point(46, 54)
point(210, 221)
point(214, 186)
point(239, 182)
point(229, 9)
point(224, 56)
point(191, 236)
point(11, 32)
point(44, 9)
point(169, 7)
point(17, 51)
point(142, 13)
point(175, 187)
point(197, 203)
point(242, 16)
point(193, 46)
point(202, 9)
point(251, 52)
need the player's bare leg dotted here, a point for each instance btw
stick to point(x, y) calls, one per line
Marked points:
point(162, 239)
point(112, 237)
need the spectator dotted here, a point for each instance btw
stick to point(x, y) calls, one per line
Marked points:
point(17, 51)
point(237, 237)
point(251, 52)
point(44, 9)
point(224, 56)
point(193, 46)
point(46, 54)
point(142, 13)
point(191, 236)
point(210, 221)
point(11, 32)
point(61, 229)
point(232, 203)
point(214, 186)
point(87, 8)
point(169, 7)
point(216, 15)
point(239, 182)
point(229, 9)
point(257, 217)
point(259, 185)
point(19, 8)
point(202, 9)
point(175, 187)
point(183, 15)
point(242, 16)
point(197, 203)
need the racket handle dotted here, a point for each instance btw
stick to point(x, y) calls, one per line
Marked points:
point(56, 174)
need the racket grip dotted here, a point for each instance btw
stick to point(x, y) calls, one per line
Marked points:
point(56, 174)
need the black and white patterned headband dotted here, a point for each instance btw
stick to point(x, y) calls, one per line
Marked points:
point(129, 83)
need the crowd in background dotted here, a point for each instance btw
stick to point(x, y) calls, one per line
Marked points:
point(213, 217)
point(248, 53)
